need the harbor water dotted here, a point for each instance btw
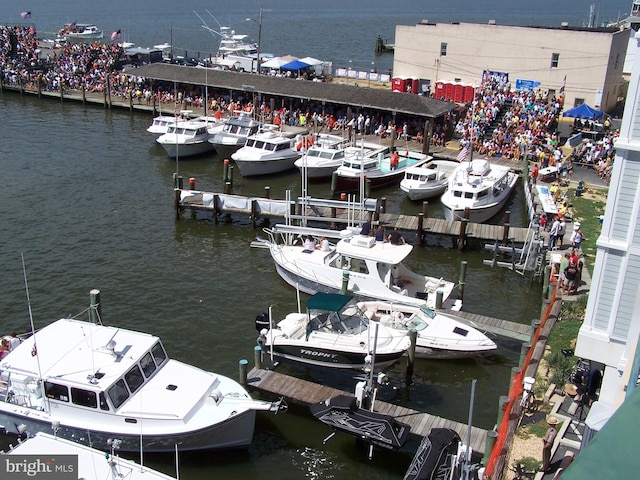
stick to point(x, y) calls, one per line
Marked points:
point(87, 201)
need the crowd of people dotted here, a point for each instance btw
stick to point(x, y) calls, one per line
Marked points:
point(527, 125)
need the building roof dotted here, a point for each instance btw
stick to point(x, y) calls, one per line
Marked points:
point(360, 97)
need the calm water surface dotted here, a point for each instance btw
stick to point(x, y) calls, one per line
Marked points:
point(86, 197)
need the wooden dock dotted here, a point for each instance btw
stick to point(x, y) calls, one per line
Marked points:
point(336, 212)
point(306, 393)
point(493, 325)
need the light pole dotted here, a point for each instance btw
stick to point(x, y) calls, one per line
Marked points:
point(373, 68)
point(259, 36)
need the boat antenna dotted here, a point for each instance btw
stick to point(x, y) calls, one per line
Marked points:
point(34, 351)
point(467, 467)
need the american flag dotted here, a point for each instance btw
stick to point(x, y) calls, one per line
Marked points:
point(25, 15)
point(564, 83)
point(464, 153)
point(116, 36)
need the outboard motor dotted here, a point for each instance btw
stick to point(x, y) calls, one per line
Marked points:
point(262, 321)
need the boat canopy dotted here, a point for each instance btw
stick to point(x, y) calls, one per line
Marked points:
point(328, 301)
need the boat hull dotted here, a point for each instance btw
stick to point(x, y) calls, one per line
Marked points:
point(250, 168)
point(311, 355)
point(234, 432)
point(424, 193)
point(352, 184)
point(187, 150)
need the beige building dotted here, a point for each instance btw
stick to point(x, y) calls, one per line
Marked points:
point(591, 59)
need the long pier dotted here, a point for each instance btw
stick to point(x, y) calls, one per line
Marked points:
point(338, 212)
point(307, 393)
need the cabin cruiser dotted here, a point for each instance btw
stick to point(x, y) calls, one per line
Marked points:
point(79, 31)
point(326, 153)
point(235, 132)
point(427, 180)
point(268, 151)
point(375, 269)
point(97, 382)
point(186, 138)
point(377, 169)
point(440, 336)
point(479, 186)
point(334, 333)
point(161, 124)
point(62, 455)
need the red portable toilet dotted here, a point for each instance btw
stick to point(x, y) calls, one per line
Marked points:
point(448, 91)
point(468, 93)
point(458, 93)
point(415, 86)
point(399, 84)
point(439, 91)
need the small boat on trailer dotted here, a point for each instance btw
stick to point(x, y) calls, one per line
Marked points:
point(343, 414)
point(436, 457)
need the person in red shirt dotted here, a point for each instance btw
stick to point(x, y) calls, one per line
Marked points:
point(394, 160)
point(534, 174)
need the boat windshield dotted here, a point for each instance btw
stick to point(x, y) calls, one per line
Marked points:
point(427, 311)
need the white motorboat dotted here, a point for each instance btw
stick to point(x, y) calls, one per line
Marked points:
point(479, 186)
point(85, 462)
point(235, 132)
point(235, 51)
point(439, 335)
point(327, 153)
point(427, 180)
point(269, 151)
point(375, 269)
point(332, 333)
point(161, 124)
point(97, 382)
point(376, 169)
point(186, 138)
point(80, 31)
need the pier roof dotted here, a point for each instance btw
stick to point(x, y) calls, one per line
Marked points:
point(360, 97)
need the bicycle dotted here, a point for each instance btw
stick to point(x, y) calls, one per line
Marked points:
point(528, 402)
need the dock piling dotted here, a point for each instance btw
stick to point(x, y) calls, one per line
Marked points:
point(419, 232)
point(461, 280)
point(257, 357)
point(411, 354)
point(345, 282)
point(439, 297)
point(242, 364)
point(267, 192)
point(462, 234)
point(95, 310)
point(192, 183)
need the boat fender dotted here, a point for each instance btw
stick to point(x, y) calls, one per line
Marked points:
point(262, 338)
point(262, 321)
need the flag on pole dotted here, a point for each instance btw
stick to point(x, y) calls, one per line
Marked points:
point(564, 83)
point(25, 15)
point(116, 35)
point(464, 153)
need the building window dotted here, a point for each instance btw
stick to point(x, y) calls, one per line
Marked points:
point(555, 59)
point(578, 101)
point(443, 49)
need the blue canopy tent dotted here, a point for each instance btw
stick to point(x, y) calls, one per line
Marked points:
point(584, 112)
point(294, 65)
